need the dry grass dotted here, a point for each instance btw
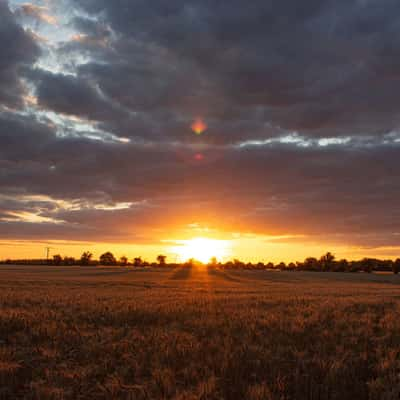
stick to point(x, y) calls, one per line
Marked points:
point(103, 333)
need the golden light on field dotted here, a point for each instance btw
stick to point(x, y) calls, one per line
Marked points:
point(202, 249)
point(199, 126)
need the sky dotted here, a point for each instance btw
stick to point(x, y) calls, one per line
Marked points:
point(134, 126)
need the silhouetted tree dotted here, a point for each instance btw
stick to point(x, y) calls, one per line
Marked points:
point(69, 261)
point(86, 258)
point(342, 265)
point(291, 266)
point(137, 262)
point(396, 266)
point(57, 259)
point(123, 261)
point(161, 260)
point(281, 266)
point(368, 264)
point(238, 264)
point(311, 264)
point(327, 262)
point(107, 259)
point(270, 265)
point(260, 266)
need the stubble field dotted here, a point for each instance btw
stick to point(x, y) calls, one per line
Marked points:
point(115, 333)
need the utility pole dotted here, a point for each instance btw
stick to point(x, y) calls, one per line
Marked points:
point(48, 252)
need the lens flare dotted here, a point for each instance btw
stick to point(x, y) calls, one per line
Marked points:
point(199, 157)
point(199, 126)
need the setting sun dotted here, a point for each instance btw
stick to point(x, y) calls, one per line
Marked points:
point(202, 249)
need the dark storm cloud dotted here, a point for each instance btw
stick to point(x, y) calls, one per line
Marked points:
point(319, 67)
point(23, 137)
point(67, 94)
point(324, 69)
point(17, 49)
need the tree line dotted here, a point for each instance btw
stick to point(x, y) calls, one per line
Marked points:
point(86, 259)
point(326, 263)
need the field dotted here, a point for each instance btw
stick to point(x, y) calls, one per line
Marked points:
point(115, 333)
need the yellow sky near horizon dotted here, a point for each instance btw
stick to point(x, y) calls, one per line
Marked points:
point(250, 249)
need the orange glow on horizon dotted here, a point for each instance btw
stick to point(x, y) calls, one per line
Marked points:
point(197, 242)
